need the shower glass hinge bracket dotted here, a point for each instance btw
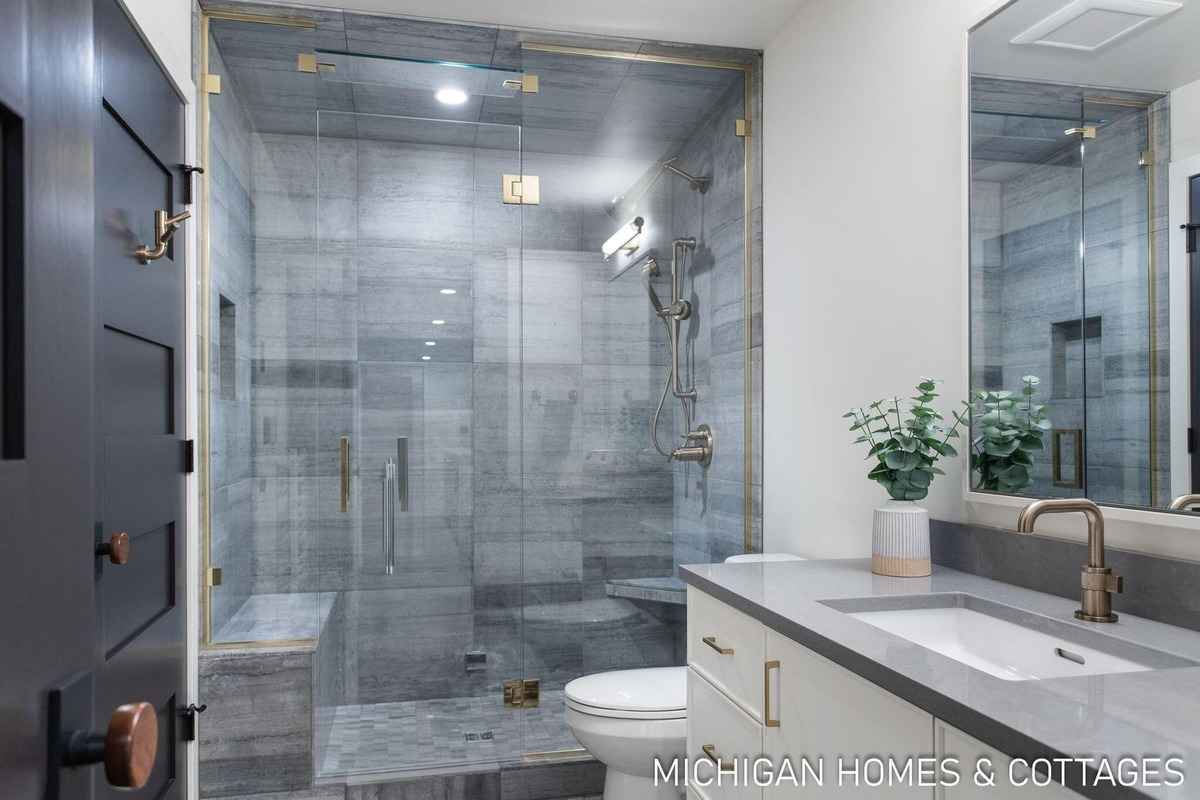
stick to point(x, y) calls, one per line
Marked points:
point(1086, 132)
point(521, 190)
point(741, 127)
point(214, 576)
point(522, 693)
point(528, 84)
point(307, 62)
point(212, 84)
point(1146, 159)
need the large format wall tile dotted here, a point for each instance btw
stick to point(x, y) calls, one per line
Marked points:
point(257, 733)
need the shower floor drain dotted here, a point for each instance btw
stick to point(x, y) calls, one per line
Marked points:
point(479, 736)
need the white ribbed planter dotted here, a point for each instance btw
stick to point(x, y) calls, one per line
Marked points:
point(900, 540)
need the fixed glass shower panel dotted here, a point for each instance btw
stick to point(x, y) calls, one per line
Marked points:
point(609, 516)
point(419, 263)
point(260, 377)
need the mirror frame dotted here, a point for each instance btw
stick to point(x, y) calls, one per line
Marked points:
point(1136, 524)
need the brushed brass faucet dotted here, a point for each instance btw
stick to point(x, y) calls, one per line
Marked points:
point(1097, 582)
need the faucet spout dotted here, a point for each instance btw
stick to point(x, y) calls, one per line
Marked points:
point(1098, 582)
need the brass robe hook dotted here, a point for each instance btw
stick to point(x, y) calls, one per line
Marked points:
point(164, 228)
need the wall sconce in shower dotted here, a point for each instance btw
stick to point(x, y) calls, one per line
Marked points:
point(626, 239)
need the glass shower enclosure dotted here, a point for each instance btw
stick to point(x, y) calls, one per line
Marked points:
point(431, 390)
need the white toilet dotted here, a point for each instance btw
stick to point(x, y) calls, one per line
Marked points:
point(628, 717)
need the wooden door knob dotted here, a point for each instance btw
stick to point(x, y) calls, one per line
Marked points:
point(128, 748)
point(116, 548)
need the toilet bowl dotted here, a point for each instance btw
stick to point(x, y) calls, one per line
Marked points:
point(626, 719)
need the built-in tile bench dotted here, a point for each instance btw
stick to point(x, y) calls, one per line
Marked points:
point(669, 590)
point(257, 735)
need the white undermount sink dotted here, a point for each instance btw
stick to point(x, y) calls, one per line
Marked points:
point(1003, 641)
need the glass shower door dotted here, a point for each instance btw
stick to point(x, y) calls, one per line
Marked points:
point(420, 464)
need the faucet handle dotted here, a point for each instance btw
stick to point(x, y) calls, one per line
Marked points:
point(1101, 580)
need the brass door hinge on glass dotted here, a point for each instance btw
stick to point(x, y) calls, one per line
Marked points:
point(522, 693)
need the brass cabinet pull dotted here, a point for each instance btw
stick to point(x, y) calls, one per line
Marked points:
point(710, 750)
point(711, 641)
point(344, 452)
point(767, 667)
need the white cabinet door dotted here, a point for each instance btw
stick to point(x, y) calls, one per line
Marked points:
point(953, 743)
point(826, 712)
point(719, 730)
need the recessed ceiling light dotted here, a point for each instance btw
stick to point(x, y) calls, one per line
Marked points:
point(449, 291)
point(430, 344)
point(439, 322)
point(425, 358)
point(451, 96)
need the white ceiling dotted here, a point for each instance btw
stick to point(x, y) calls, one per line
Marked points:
point(748, 23)
point(1159, 56)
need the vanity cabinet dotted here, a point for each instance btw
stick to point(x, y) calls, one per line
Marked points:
point(951, 742)
point(752, 692)
point(820, 710)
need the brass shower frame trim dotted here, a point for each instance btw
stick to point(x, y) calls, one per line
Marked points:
point(262, 19)
point(205, 382)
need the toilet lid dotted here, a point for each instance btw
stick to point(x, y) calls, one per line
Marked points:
point(632, 690)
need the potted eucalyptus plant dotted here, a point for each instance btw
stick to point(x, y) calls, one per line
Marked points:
point(906, 439)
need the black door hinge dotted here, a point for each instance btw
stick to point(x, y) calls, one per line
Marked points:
point(1191, 229)
point(189, 455)
point(189, 720)
point(189, 182)
point(1191, 440)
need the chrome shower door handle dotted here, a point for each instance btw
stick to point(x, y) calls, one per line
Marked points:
point(402, 475)
point(389, 516)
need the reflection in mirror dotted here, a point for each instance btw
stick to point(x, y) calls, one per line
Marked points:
point(1085, 163)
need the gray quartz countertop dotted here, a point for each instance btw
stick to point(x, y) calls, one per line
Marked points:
point(1153, 713)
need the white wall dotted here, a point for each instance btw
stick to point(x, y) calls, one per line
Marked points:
point(1185, 121)
point(167, 25)
point(863, 272)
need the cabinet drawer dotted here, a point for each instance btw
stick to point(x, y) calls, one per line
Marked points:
point(718, 728)
point(726, 646)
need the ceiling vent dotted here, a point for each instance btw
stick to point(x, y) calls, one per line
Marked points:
point(1089, 25)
